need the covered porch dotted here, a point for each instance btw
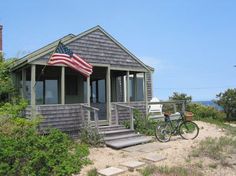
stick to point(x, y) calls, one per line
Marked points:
point(108, 94)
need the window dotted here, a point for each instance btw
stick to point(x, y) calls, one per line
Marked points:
point(71, 86)
point(140, 89)
point(136, 87)
point(51, 91)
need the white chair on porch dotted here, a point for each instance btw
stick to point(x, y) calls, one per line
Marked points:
point(155, 110)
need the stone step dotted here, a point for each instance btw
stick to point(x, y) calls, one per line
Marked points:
point(110, 138)
point(116, 132)
point(132, 165)
point(111, 171)
point(154, 158)
point(122, 143)
point(110, 128)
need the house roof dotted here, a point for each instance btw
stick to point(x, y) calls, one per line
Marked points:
point(66, 40)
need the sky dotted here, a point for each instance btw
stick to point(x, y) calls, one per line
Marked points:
point(190, 43)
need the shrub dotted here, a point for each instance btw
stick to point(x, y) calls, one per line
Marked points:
point(13, 110)
point(227, 100)
point(90, 136)
point(7, 87)
point(142, 124)
point(23, 151)
point(206, 113)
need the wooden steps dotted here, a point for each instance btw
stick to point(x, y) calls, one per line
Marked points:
point(118, 137)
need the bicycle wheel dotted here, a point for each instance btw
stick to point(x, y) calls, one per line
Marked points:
point(163, 132)
point(188, 130)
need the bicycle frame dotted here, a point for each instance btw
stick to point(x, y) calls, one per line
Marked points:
point(174, 128)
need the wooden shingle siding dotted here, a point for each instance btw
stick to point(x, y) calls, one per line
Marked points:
point(97, 48)
point(149, 86)
point(124, 113)
point(67, 118)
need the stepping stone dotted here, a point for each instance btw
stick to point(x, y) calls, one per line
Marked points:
point(131, 165)
point(111, 171)
point(153, 147)
point(154, 158)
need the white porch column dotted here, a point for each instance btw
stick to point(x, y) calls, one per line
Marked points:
point(62, 85)
point(135, 88)
point(88, 91)
point(108, 97)
point(127, 87)
point(23, 92)
point(33, 86)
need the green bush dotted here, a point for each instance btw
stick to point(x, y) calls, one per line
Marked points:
point(7, 87)
point(13, 110)
point(142, 124)
point(206, 113)
point(90, 136)
point(23, 151)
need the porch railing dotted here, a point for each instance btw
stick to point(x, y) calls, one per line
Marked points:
point(171, 102)
point(85, 107)
point(131, 111)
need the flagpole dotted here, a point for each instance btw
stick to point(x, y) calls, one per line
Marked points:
point(46, 64)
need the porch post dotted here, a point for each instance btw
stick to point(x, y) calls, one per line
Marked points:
point(32, 85)
point(23, 82)
point(88, 98)
point(135, 87)
point(108, 88)
point(127, 87)
point(63, 85)
point(88, 91)
point(145, 91)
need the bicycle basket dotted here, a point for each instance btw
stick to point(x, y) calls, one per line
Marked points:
point(188, 116)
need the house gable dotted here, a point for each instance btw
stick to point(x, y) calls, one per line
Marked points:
point(95, 46)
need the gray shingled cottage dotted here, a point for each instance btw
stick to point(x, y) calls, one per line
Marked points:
point(119, 83)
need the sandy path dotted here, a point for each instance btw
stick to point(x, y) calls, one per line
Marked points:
point(176, 151)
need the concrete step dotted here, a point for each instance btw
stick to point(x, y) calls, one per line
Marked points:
point(110, 138)
point(116, 132)
point(132, 165)
point(122, 143)
point(111, 171)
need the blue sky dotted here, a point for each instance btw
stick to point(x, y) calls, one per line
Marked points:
point(190, 43)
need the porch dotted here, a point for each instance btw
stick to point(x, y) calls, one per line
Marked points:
point(66, 99)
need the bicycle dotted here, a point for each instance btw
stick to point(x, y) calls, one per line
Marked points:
point(185, 128)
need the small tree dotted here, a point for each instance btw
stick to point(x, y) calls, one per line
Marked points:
point(6, 84)
point(181, 96)
point(227, 100)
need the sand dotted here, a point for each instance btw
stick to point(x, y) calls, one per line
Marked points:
point(176, 151)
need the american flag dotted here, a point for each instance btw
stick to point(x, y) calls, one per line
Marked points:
point(65, 56)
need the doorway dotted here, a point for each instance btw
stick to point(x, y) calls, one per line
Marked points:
point(98, 91)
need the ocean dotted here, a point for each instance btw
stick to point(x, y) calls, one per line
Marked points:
point(209, 103)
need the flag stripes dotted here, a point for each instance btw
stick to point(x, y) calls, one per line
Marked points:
point(65, 56)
